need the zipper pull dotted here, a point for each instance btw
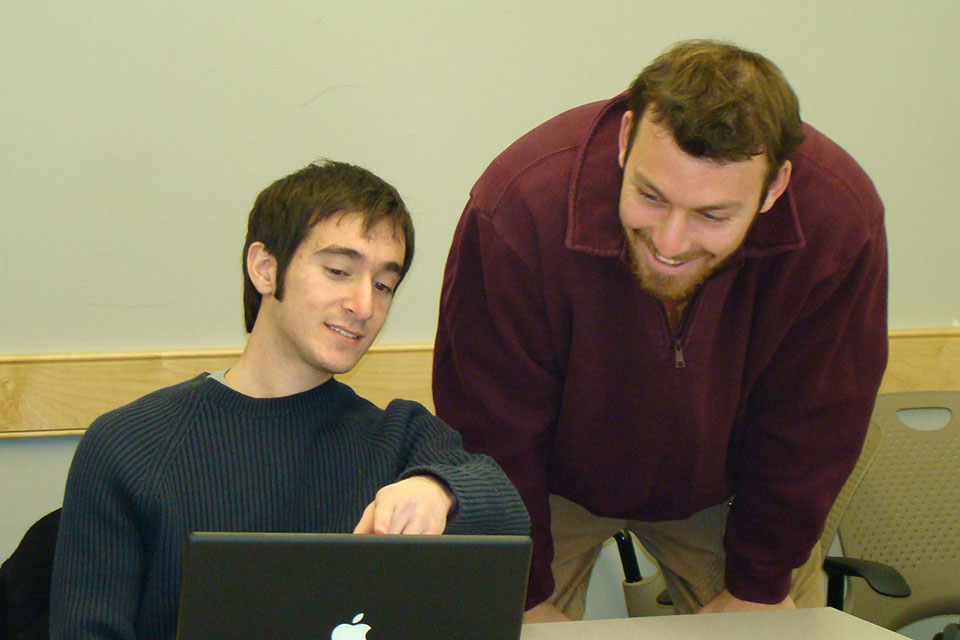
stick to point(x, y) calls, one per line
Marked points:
point(678, 354)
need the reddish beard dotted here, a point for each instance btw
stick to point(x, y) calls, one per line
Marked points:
point(664, 287)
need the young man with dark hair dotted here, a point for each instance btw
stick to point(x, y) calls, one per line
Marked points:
point(667, 312)
point(274, 443)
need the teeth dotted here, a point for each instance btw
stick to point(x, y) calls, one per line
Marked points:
point(668, 260)
point(344, 333)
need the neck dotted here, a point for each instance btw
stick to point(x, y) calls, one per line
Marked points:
point(263, 372)
point(674, 312)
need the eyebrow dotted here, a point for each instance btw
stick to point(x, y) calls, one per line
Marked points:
point(719, 206)
point(353, 254)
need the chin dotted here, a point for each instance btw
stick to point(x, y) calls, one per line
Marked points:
point(333, 366)
point(341, 368)
point(666, 288)
point(670, 288)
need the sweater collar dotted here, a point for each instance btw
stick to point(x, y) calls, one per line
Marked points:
point(593, 220)
point(323, 398)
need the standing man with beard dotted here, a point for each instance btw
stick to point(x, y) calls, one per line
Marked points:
point(667, 312)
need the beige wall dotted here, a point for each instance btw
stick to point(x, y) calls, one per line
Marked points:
point(135, 136)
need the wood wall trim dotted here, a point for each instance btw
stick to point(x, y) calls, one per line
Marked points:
point(923, 360)
point(61, 394)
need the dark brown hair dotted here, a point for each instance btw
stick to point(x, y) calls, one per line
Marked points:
point(720, 102)
point(284, 213)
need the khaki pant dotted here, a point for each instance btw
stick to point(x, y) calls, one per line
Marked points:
point(689, 552)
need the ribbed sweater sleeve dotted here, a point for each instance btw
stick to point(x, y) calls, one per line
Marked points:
point(485, 503)
point(200, 457)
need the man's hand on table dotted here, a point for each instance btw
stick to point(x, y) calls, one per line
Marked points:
point(726, 602)
point(544, 612)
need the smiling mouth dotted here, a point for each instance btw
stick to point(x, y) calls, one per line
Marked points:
point(679, 261)
point(644, 239)
point(666, 260)
point(344, 332)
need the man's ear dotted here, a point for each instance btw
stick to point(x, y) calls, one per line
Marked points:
point(777, 187)
point(262, 268)
point(623, 140)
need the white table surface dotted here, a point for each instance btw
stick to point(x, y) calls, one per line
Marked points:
point(796, 624)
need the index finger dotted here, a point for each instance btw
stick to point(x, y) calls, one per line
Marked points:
point(365, 525)
point(384, 512)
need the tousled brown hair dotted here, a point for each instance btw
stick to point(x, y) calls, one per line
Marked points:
point(720, 102)
point(284, 213)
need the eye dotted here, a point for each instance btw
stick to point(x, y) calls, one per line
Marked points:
point(649, 197)
point(383, 288)
point(709, 217)
point(336, 273)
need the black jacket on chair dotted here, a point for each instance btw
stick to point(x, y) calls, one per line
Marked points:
point(25, 583)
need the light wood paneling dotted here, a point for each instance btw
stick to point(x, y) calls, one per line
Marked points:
point(923, 360)
point(63, 394)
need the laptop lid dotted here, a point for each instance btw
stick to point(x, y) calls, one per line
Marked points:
point(318, 586)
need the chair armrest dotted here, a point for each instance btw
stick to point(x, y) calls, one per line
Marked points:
point(882, 578)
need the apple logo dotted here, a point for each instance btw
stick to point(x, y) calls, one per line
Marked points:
point(353, 631)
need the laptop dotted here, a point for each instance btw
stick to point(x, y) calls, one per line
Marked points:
point(320, 586)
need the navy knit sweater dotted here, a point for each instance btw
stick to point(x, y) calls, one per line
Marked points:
point(199, 456)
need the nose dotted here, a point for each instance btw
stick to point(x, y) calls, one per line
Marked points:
point(359, 301)
point(670, 236)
